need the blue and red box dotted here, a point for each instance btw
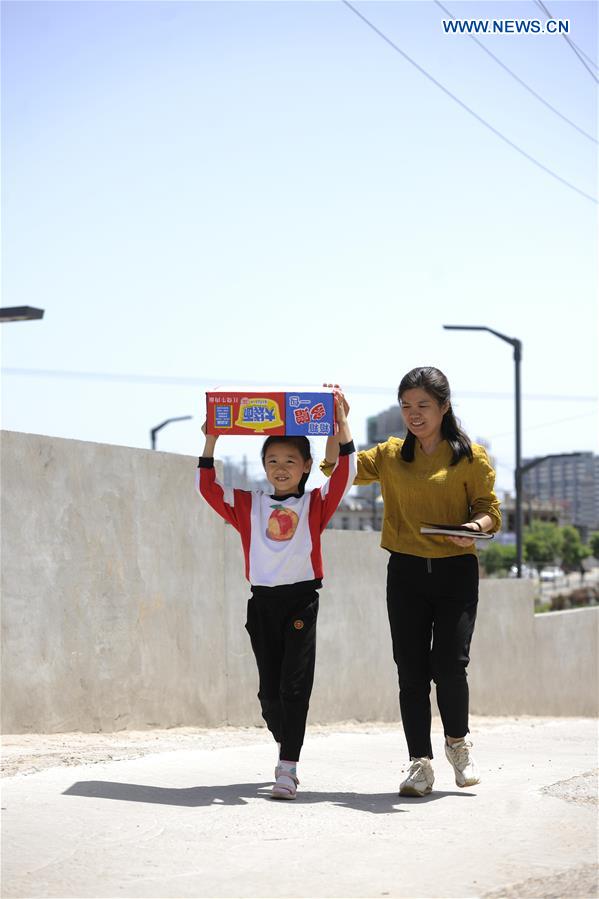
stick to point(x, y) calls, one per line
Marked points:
point(270, 411)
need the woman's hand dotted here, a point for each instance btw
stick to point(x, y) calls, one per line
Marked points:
point(466, 541)
point(343, 434)
point(339, 392)
point(341, 406)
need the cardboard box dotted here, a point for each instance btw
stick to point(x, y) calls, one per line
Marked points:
point(270, 411)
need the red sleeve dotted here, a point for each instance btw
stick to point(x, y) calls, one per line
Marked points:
point(232, 505)
point(235, 506)
point(338, 484)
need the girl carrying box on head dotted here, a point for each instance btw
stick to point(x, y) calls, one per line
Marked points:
point(280, 535)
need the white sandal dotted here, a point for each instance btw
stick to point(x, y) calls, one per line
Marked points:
point(285, 786)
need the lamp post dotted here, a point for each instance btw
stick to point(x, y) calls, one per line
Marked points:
point(20, 313)
point(517, 345)
point(163, 424)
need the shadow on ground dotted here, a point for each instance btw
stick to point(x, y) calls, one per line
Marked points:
point(239, 794)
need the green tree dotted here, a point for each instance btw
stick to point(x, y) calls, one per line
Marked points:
point(497, 558)
point(573, 551)
point(594, 544)
point(543, 542)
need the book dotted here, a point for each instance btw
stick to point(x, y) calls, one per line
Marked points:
point(453, 530)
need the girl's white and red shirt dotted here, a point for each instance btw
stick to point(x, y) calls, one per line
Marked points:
point(280, 536)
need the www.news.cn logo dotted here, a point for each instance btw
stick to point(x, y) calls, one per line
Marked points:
point(506, 26)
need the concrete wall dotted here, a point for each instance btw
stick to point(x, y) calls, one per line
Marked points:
point(123, 605)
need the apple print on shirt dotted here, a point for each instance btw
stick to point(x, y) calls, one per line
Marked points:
point(282, 523)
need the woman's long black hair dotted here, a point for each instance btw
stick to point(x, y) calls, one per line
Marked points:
point(437, 386)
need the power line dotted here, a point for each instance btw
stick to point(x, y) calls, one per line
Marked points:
point(482, 121)
point(586, 55)
point(521, 82)
point(182, 381)
point(570, 43)
point(489, 395)
point(547, 424)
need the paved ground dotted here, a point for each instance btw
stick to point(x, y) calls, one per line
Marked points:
point(185, 814)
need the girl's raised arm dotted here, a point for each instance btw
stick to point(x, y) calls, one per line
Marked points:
point(209, 443)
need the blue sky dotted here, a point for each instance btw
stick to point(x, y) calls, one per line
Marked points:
point(267, 192)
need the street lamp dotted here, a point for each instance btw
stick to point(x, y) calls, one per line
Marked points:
point(20, 313)
point(163, 424)
point(517, 345)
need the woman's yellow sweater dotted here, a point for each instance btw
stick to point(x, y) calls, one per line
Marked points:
point(427, 490)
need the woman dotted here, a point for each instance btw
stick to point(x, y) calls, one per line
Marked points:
point(435, 475)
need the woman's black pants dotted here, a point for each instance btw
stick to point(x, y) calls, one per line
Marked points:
point(281, 622)
point(432, 610)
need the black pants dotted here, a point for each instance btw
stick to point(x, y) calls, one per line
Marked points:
point(432, 610)
point(281, 622)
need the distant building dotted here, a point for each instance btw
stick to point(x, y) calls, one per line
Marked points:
point(379, 428)
point(571, 481)
point(358, 513)
point(239, 475)
point(386, 424)
point(533, 509)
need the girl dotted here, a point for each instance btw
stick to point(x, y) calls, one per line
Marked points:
point(434, 475)
point(280, 534)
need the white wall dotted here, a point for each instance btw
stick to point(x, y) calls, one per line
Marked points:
point(123, 606)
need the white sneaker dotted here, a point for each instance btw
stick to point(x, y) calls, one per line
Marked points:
point(420, 778)
point(459, 756)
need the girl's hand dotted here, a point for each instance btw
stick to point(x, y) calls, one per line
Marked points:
point(206, 434)
point(465, 541)
point(210, 441)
